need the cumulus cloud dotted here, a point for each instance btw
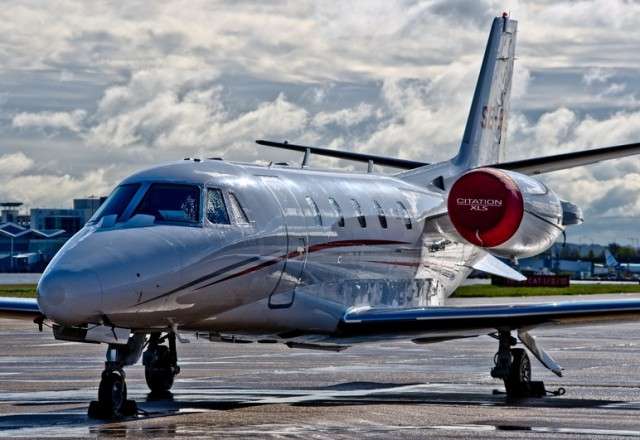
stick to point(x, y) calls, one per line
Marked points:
point(19, 180)
point(46, 190)
point(13, 164)
point(56, 120)
point(159, 111)
point(344, 117)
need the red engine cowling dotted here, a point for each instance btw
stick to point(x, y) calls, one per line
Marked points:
point(512, 214)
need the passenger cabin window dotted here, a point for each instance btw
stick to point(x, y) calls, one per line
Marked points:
point(314, 209)
point(361, 218)
point(338, 211)
point(381, 217)
point(171, 203)
point(117, 202)
point(404, 213)
point(216, 209)
point(239, 215)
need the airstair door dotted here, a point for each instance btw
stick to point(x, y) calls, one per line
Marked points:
point(295, 257)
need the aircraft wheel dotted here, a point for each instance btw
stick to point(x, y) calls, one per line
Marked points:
point(159, 371)
point(112, 394)
point(518, 382)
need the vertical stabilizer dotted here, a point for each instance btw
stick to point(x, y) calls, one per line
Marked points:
point(485, 133)
point(609, 259)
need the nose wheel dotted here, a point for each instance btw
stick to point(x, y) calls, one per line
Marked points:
point(112, 400)
point(160, 363)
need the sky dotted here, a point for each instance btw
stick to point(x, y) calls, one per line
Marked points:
point(93, 91)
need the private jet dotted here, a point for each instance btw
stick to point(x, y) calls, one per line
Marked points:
point(316, 258)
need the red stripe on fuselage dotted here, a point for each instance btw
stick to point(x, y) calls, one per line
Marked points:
point(313, 248)
point(397, 263)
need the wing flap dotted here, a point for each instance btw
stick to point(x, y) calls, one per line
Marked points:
point(19, 308)
point(417, 322)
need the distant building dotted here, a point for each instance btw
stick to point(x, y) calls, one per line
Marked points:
point(9, 212)
point(27, 250)
point(577, 269)
point(69, 220)
point(29, 242)
point(87, 207)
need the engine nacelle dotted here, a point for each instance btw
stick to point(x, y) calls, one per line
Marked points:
point(511, 214)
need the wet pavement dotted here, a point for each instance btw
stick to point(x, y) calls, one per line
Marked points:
point(266, 390)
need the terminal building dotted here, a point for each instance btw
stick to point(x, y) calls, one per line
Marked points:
point(29, 242)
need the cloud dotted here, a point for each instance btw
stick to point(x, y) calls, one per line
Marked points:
point(133, 83)
point(344, 117)
point(168, 110)
point(48, 190)
point(71, 121)
point(596, 75)
point(14, 164)
point(20, 180)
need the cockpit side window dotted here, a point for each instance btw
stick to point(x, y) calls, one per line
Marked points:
point(216, 209)
point(117, 202)
point(171, 203)
point(239, 215)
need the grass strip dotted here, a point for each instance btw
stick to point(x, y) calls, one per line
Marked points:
point(489, 291)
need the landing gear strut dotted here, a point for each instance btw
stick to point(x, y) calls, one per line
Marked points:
point(512, 365)
point(112, 393)
point(160, 363)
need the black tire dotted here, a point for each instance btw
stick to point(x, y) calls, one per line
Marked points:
point(518, 383)
point(112, 393)
point(158, 371)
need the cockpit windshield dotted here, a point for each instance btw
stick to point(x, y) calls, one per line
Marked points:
point(171, 203)
point(117, 202)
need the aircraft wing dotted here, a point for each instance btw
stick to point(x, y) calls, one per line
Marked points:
point(547, 164)
point(19, 308)
point(420, 322)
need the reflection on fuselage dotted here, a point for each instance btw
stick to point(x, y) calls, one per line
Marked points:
point(191, 243)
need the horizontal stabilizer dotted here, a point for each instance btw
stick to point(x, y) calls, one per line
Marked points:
point(348, 155)
point(494, 266)
point(547, 164)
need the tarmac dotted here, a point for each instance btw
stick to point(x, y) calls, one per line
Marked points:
point(395, 390)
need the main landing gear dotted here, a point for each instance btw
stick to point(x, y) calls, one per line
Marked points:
point(161, 367)
point(512, 365)
point(160, 363)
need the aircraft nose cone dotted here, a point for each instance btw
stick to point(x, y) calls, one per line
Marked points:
point(68, 297)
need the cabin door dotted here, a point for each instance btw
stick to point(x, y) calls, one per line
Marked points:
point(295, 257)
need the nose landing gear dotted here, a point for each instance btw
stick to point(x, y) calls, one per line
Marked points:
point(160, 368)
point(112, 393)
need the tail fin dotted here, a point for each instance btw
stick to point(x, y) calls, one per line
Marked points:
point(609, 259)
point(485, 133)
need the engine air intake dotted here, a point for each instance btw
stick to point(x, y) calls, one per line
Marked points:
point(486, 207)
